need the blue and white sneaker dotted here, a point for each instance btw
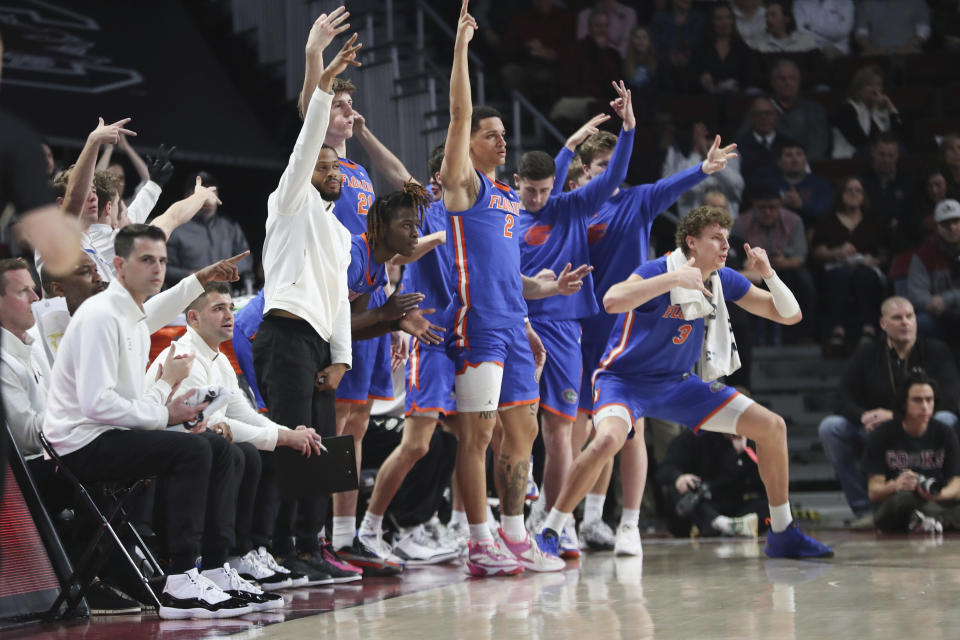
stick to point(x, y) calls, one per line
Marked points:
point(569, 544)
point(793, 543)
point(549, 542)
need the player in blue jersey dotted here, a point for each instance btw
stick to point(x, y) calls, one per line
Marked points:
point(486, 337)
point(553, 232)
point(619, 237)
point(670, 312)
point(392, 229)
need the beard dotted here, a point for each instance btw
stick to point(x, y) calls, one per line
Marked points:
point(330, 196)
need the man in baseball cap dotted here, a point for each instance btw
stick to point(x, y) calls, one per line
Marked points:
point(934, 279)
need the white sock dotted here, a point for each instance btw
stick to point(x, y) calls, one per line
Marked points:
point(630, 517)
point(780, 517)
point(480, 533)
point(513, 528)
point(556, 519)
point(343, 531)
point(491, 521)
point(593, 508)
point(458, 518)
point(723, 524)
point(371, 524)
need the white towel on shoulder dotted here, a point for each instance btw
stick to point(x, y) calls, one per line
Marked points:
point(719, 356)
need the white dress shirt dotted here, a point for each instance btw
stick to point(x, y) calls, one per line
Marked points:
point(25, 376)
point(306, 251)
point(213, 368)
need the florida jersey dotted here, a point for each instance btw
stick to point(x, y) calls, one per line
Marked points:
point(431, 275)
point(356, 197)
point(655, 341)
point(488, 290)
point(365, 274)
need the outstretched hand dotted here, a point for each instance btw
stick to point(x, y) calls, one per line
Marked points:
point(757, 260)
point(690, 277)
point(570, 282)
point(325, 29)
point(399, 304)
point(346, 57)
point(420, 328)
point(223, 271)
point(110, 133)
point(589, 128)
point(623, 106)
point(718, 157)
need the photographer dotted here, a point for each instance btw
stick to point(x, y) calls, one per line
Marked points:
point(913, 464)
point(712, 480)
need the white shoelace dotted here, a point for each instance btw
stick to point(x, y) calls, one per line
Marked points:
point(206, 585)
point(260, 568)
point(270, 562)
point(237, 583)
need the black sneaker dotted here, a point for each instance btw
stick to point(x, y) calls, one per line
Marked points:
point(315, 575)
point(234, 586)
point(190, 595)
point(337, 574)
point(382, 564)
point(105, 600)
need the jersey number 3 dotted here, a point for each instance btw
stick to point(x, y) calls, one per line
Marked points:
point(508, 227)
point(363, 203)
point(682, 334)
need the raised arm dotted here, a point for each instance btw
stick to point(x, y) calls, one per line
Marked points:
point(138, 164)
point(778, 304)
point(456, 173)
point(182, 211)
point(81, 178)
point(425, 244)
point(320, 37)
point(384, 160)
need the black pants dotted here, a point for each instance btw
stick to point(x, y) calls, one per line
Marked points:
point(287, 354)
point(181, 461)
point(893, 514)
point(707, 511)
point(219, 531)
point(247, 497)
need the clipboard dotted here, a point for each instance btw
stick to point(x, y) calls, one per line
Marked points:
point(333, 471)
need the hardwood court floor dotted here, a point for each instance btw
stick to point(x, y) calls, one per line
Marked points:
point(876, 587)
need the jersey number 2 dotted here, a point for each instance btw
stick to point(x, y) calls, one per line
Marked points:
point(363, 203)
point(508, 227)
point(684, 331)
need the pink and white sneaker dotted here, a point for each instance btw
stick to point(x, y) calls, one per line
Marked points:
point(530, 556)
point(487, 559)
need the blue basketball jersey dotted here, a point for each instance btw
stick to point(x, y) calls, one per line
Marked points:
point(365, 275)
point(356, 197)
point(488, 290)
point(655, 341)
point(431, 275)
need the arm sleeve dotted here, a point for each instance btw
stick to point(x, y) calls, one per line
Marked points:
point(24, 420)
point(164, 307)
point(97, 381)
point(587, 199)
point(296, 177)
point(144, 202)
point(561, 165)
point(918, 283)
point(341, 347)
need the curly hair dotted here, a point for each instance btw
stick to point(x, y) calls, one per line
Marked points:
point(413, 195)
point(697, 220)
point(600, 142)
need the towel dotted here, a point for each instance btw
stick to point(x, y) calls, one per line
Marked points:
point(718, 356)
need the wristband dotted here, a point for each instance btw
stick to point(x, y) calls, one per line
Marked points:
point(783, 299)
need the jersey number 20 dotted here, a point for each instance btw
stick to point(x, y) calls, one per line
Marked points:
point(508, 227)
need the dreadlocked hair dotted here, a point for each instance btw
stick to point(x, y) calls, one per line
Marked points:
point(413, 195)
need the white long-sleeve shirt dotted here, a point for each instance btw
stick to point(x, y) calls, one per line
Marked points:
point(306, 251)
point(830, 22)
point(25, 376)
point(98, 240)
point(213, 368)
point(97, 382)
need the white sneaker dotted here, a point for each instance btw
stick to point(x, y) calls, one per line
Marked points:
point(569, 544)
point(458, 535)
point(190, 595)
point(745, 526)
point(597, 535)
point(922, 523)
point(415, 548)
point(538, 513)
point(230, 582)
point(267, 560)
point(628, 541)
point(253, 570)
point(529, 555)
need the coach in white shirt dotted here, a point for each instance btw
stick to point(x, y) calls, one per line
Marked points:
point(303, 346)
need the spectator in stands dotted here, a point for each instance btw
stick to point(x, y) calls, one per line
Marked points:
point(722, 62)
point(675, 33)
point(913, 464)
point(804, 193)
point(866, 113)
point(729, 182)
point(885, 186)
point(620, 27)
point(801, 119)
point(916, 226)
point(589, 68)
point(759, 142)
point(886, 27)
point(640, 65)
point(830, 22)
point(934, 278)
point(207, 238)
point(781, 34)
point(770, 225)
point(848, 247)
point(711, 480)
point(535, 43)
point(950, 162)
point(873, 378)
point(751, 17)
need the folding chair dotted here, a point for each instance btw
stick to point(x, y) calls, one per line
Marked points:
point(87, 566)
